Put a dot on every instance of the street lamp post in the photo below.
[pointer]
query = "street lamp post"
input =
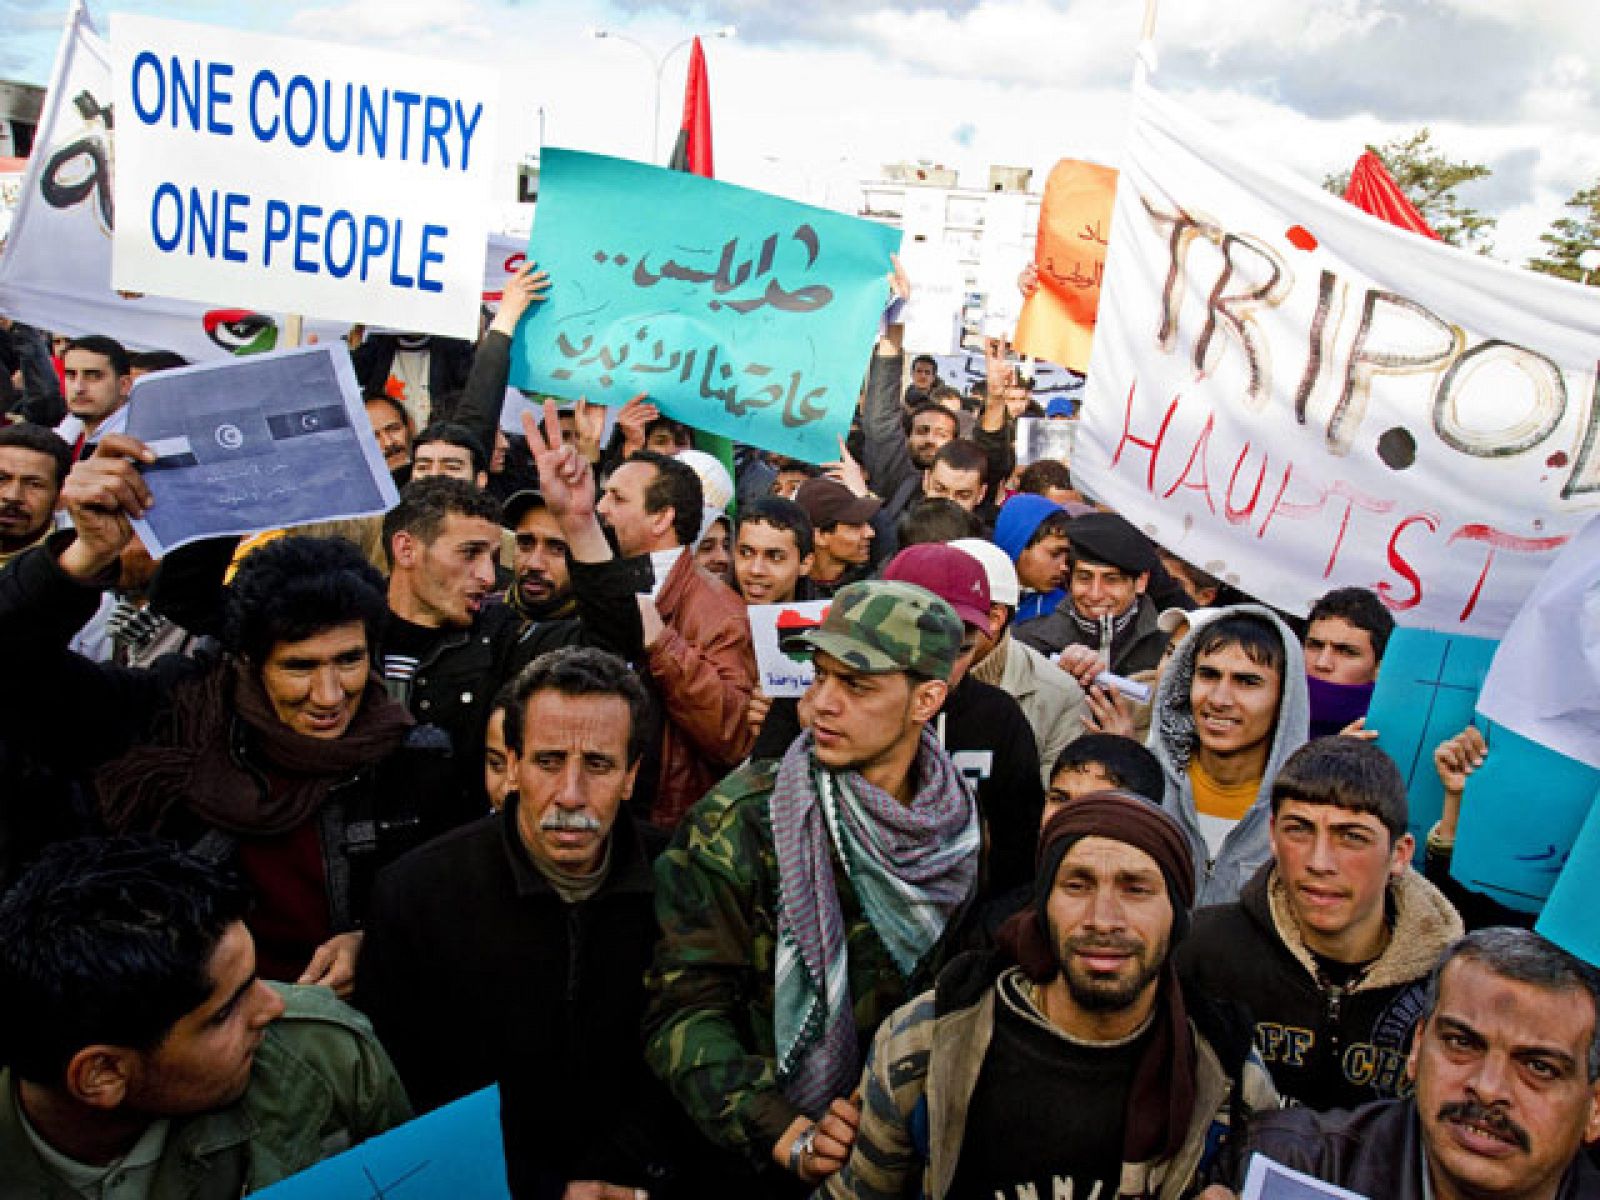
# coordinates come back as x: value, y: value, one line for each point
x: 659, y: 63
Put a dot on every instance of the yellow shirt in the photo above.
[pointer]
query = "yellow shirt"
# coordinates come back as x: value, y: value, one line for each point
x: 1219, y: 806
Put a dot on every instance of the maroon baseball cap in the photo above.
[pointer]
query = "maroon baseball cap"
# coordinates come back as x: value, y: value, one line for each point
x: 828, y: 502
x: 950, y: 574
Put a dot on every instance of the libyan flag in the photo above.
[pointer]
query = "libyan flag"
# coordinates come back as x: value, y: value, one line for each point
x: 692, y: 154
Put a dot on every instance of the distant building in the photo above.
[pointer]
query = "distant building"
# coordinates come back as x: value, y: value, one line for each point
x: 20, y: 106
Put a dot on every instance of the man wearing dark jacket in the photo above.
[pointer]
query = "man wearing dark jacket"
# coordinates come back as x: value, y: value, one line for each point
x: 1106, y: 622
x: 445, y: 651
x: 514, y: 949
x: 1507, y: 1078
x: 1073, y: 1063
x: 285, y: 754
x: 1331, y: 942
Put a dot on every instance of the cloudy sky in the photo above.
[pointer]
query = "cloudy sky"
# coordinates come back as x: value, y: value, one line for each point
x: 812, y: 96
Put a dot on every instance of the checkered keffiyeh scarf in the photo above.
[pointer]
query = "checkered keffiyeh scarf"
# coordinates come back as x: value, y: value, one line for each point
x: 911, y: 867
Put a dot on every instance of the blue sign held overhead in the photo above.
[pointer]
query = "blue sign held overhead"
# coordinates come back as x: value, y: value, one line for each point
x: 735, y: 312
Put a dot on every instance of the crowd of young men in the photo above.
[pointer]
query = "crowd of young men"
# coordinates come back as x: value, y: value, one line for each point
x: 487, y: 792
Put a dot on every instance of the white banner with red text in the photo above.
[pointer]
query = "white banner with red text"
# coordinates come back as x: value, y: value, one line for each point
x: 1294, y: 395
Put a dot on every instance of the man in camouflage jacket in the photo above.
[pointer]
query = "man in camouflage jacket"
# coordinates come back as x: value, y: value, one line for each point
x: 732, y: 914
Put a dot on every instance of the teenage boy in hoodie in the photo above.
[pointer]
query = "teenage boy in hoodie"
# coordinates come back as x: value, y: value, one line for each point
x: 1331, y: 942
x: 1033, y: 532
x: 1229, y: 710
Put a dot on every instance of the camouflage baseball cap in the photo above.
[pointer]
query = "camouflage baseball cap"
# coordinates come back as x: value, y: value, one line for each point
x: 880, y: 626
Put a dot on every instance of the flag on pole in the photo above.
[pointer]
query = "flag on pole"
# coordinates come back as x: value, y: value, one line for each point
x: 1372, y: 189
x: 692, y: 153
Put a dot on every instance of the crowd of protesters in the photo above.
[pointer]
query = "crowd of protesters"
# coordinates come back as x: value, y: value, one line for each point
x: 1075, y: 872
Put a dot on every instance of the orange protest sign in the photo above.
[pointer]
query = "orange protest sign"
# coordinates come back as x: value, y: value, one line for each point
x: 1057, y: 322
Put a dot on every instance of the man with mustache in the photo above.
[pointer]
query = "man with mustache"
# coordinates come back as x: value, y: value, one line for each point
x: 33, y: 466
x: 514, y: 949
x: 1071, y: 1063
x: 686, y: 631
x: 1507, y: 1076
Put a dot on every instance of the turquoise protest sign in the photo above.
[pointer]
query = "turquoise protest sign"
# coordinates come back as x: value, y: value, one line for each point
x: 454, y: 1151
x: 1427, y: 689
x: 1568, y: 916
x: 1520, y: 815
x: 736, y: 312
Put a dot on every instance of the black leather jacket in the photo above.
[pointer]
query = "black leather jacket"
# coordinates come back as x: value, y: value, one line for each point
x: 1375, y: 1150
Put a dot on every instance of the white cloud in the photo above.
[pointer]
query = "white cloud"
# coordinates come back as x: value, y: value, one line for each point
x: 811, y: 98
x: 395, y: 22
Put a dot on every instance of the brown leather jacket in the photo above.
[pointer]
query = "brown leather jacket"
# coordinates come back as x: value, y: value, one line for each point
x: 704, y: 668
x: 1375, y: 1150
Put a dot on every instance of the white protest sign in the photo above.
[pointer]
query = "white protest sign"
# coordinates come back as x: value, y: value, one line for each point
x: 265, y: 442
x: 11, y: 176
x: 1005, y: 253
x: 1295, y: 396
x: 55, y: 272
x: 1544, y: 682
x: 938, y: 297
x: 779, y: 674
x: 1269, y: 1180
x: 322, y: 179
x: 1044, y: 437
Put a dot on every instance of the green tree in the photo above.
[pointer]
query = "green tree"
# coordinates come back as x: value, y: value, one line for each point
x: 1568, y: 237
x: 1430, y: 179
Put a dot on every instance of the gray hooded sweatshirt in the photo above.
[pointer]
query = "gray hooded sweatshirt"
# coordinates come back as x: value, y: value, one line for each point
x: 1173, y: 740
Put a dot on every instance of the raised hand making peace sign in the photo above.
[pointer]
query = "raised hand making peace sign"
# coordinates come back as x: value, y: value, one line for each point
x: 567, y: 483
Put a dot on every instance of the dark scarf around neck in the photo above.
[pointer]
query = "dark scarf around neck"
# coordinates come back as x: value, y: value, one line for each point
x: 192, y: 765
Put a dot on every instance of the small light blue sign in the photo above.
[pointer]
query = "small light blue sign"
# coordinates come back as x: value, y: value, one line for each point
x: 1568, y: 916
x: 1520, y: 816
x: 1427, y: 689
x: 454, y: 1151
